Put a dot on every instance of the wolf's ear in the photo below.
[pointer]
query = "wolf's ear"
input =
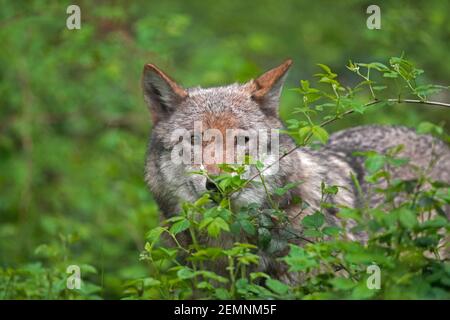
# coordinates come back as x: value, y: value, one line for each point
x: 161, y: 93
x: 266, y: 89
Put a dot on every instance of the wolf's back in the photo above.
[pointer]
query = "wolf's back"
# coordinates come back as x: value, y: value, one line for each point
x: 423, y: 151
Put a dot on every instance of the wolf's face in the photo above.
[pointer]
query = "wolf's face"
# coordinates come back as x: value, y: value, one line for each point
x: 200, y: 128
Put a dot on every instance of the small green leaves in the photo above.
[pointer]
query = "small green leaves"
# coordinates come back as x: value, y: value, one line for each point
x: 428, y: 127
x: 299, y: 260
x: 405, y: 68
x: 328, y: 73
x: 214, y: 226
x: 282, y: 190
x: 316, y: 131
x: 427, y: 90
x: 243, y: 223
x: 376, y: 163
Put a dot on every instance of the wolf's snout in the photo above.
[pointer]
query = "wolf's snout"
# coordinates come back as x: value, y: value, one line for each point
x: 211, y: 186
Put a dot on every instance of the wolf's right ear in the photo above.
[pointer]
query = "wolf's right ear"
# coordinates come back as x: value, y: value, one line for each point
x: 161, y: 93
x: 266, y: 89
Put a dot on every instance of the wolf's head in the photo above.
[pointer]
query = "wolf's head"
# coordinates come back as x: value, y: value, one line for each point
x: 212, y: 123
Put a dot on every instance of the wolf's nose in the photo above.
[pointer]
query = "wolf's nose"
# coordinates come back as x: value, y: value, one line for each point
x: 211, y: 186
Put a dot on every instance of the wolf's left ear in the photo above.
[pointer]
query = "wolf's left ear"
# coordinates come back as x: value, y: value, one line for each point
x: 266, y: 89
x: 161, y: 93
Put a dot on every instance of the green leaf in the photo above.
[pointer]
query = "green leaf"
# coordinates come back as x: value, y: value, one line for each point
x: 299, y: 260
x: 248, y: 227
x: 259, y: 165
x: 320, y: 133
x: 331, y: 231
x: 407, y: 218
x: 185, y: 273
x: 205, y: 222
x: 397, y: 162
x: 281, y: 191
x: 328, y: 71
x: 215, y: 227
x: 304, y: 132
x: 212, y: 276
x: 342, y: 283
x: 235, y: 228
x: 378, y: 66
x: 349, y: 213
x: 154, y: 234
x: 428, y: 127
x: 374, y: 163
x: 315, y: 220
x: 277, y: 286
x: 390, y: 74
x: 256, y: 275
x: 180, y: 226
x: 305, y: 85
x: 222, y: 294
x: 437, y: 222
x: 202, y: 201
x: 87, y: 268
x: 150, y: 282
x: 363, y: 292
x: 429, y: 89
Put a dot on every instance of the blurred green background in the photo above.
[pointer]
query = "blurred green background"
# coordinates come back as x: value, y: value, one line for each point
x: 74, y: 126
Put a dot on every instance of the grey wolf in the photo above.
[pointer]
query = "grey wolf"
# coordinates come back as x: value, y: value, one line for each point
x: 254, y: 105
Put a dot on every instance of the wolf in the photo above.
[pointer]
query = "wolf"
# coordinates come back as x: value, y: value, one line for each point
x: 254, y: 105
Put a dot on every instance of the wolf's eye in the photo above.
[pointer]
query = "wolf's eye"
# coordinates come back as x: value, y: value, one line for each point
x: 196, y: 139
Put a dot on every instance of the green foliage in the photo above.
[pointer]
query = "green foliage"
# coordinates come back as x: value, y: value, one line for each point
x: 404, y: 240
